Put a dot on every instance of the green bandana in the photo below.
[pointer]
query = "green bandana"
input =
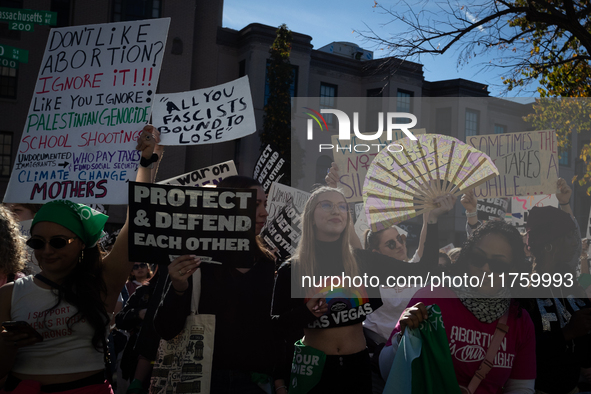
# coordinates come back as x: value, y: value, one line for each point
x: 80, y: 219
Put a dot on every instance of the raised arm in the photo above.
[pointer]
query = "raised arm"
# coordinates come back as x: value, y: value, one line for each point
x: 117, y: 265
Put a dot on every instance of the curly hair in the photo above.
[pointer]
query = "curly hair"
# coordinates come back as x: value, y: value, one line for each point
x: 502, y: 228
x: 13, y: 254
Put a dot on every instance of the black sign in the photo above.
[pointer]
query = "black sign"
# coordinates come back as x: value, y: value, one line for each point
x: 282, y: 234
x: 212, y: 223
x: 269, y: 167
x: 492, y: 208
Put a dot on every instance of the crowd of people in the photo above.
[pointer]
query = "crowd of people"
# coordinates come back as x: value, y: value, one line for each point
x: 92, y: 321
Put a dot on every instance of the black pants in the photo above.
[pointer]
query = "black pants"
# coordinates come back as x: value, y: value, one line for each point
x: 345, y: 374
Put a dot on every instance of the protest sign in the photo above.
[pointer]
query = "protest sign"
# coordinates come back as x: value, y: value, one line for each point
x: 492, y: 208
x: 353, y: 160
x: 283, y: 233
x: 527, y: 163
x: 214, y: 224
x: 520, y: 206
x: 205, y: 116
x: 211, y: 175
x: 269, y: 167
x: 282, y: 195
x: 92, y: 98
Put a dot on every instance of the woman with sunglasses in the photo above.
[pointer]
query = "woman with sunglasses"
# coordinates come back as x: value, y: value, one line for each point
x: 140, y: 273
x: 331, y: 323
x: 69, y: 303
x: 561, y: 312
x: 471, y: 313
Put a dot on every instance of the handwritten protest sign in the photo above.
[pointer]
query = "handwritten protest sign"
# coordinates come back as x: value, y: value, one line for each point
x: 205, y: 116
x: 353, y: 160
x: 492, y: 208
x: 269, y: 167
x: 211, y: 175
x: 92, y: 98
x: 282, y: 195
x: 527, y: 163
x: 215, y: 224
x: 520, y: 206
x: 283, y: 233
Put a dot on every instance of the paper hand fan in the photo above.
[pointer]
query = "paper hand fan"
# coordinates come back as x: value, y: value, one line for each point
x: 401, y: 185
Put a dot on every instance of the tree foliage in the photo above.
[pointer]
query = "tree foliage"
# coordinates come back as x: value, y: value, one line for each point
x: 277, y: 117
x: 548, y: 41
x: 567, y: 116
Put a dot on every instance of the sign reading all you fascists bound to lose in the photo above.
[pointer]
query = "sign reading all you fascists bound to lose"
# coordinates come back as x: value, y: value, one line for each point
x: 91, y: 100
x: 527, y: 163
x: 205, y: 116
x: 212, y: 223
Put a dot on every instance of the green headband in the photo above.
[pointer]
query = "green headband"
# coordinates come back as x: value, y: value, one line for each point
x: 80, y: 219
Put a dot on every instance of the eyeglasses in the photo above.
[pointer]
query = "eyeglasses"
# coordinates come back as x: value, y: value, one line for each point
x: 392, y: 243
x: 495, y: 265
x: 328, y: 206
x: 54, y: 242
x: 137, y: 266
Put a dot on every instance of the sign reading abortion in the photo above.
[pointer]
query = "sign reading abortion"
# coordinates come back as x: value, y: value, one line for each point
x: 91, y: 100
x: 353, y: 156
x: 212, y: 223
x: 205, y: 116
x: 211, y: 175
x: 269, y: 168
x: 527, y: 163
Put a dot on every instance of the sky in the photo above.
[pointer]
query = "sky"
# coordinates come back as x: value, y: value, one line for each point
x: 336, y: 20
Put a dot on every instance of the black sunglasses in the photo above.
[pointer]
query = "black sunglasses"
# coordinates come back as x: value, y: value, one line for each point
x: 137, y: 266
x: 54, y: 242
x: 495, y: 265
x: 392, y: 243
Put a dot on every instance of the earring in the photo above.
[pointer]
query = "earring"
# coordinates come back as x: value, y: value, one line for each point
x: 546, y: 248
x: 81, y: 257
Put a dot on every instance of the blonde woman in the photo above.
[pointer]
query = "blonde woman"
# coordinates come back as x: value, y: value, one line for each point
x: 332, y: 321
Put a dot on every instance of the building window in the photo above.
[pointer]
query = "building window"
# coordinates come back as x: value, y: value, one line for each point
x: 500, y: 129
x: 472, y: 122
x: 241, y: 68
x: 293, y: 91
x: 135, y: 10
x: 5, y: 153
x: 564, y: 153
x: 403, y: 104
x: 62, y: 7
x: 328, y: 92
x: 8, y: 78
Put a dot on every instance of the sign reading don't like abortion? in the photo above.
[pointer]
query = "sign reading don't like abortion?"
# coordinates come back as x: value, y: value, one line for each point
x: 92, y: 97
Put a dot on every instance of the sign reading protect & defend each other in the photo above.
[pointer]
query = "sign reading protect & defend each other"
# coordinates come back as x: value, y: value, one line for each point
x: 214, y: 224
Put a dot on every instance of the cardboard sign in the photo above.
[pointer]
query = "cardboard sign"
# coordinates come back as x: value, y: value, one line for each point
x: 211, y: 175
x: 282, y: 195
x: 91, y: 100
x: 269, y: 168
x: 527, y: 163
x: 214, y: 224
x: 520, y: 206
x: 492, y: 208
x: 353, y: 160
x: 283, y: 233
x: 205, y: 116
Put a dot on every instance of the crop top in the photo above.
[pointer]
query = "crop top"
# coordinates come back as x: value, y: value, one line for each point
x: 345, y: 306
x: 62, y: 349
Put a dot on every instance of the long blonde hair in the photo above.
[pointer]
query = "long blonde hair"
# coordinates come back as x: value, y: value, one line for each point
x: 305, y: 255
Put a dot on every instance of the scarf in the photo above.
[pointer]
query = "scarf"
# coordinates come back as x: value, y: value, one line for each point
x: 486, y: 310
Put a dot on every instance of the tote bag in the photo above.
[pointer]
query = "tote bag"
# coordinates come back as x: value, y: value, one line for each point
x: 183, y: 364
x: 423, y: 363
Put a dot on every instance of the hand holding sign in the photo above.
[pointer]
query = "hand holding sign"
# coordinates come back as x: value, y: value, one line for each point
x: 181, y: 269
x: 333, y: 175
x: 563, y: 191
x: 148, y: 140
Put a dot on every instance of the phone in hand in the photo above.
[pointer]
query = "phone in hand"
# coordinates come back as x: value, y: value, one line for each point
x: 22, y: 327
